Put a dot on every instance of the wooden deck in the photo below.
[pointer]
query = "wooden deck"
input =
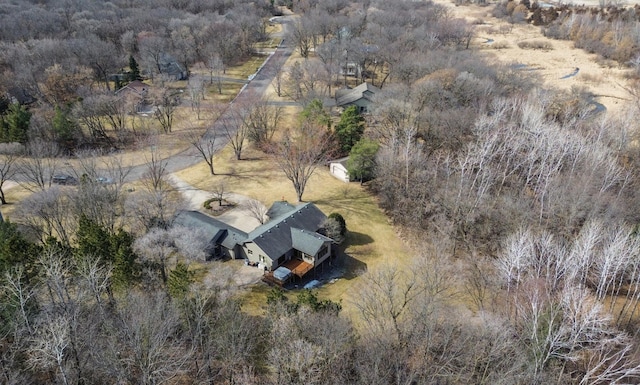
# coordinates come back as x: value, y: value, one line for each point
x: 298, y: 267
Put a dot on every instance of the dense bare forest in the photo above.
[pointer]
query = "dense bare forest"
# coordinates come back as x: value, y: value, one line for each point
x: 519, y: 202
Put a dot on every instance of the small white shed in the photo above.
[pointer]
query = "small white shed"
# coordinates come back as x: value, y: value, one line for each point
x: 338, y: 168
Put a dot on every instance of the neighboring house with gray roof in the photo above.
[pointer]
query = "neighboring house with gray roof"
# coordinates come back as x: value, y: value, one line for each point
x: 290, y: 238
x: 137, y: 93
x: 170, y: 67
x: 361, y: 97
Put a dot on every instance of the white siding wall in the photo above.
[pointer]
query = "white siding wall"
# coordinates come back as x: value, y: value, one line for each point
x: 339, y: 171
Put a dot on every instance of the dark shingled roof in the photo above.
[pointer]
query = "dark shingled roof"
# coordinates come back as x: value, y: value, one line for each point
x: 347, y: 96
x: 274, y: 237
x: 309, y: 242
x: 279, y: 208
x: 222, y: 233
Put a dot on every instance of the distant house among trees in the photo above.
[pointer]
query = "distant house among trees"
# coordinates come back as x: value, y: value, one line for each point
x: 138, y: 93
x: 291, y: 238
x: 170, y: 67
x: 352, y: 69
x: 360, y: 96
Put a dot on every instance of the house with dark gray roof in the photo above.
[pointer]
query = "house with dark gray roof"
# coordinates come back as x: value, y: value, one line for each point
x: 290, y: 239
x: 170, y: 67
x: 226, y: 241
x: 361, y: 97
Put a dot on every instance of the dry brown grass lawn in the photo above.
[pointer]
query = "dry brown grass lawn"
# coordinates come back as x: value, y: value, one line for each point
x: 229, y: 92
x: 247, y: 68
x: 14, y: 195
x: 606, y: 82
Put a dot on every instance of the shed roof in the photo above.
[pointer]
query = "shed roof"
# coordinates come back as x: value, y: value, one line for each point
x: 342, y: 161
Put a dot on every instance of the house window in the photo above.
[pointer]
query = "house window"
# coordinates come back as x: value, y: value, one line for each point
x: 250, y: 251
x: 323, y: 251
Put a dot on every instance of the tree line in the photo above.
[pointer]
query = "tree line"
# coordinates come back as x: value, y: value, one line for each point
x: 63, y: 61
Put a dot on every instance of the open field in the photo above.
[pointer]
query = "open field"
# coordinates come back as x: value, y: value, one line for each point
x: 500, y: 41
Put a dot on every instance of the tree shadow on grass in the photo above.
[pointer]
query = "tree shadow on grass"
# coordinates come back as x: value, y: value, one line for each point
x: 350, y: 266
x: 357, y: 239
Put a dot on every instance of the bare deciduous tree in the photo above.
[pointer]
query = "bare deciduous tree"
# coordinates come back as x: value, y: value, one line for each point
x: 262, y: 120
x: 156, y: 173
x: 216, y: 66
x: 234, y: 128
x: 147, y: 349
x: 39, y: 166
x: 49, y: 348
x: 190, y: 243
x: 256, y: 209
x: 206, y: 146
x: 156, y: 246
x: 9, y: 154
x: 299, y: 156
x: 49, y: 214
x: 166, y: 103
x: 148, y: 209
x: 20, y: 294
x: 196, y: 94
x: 219, y: 189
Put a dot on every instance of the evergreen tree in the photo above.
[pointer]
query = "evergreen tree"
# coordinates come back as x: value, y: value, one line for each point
x: 316, y: 113
x: 340, y: 219
x: 350, y: 128
x: 15, y: 249
x: 114, y: 248
x: 65, y: 129
x: 310, y: 299
x: 4, y: 104
x: 14, y: 125
x: 134, y: 70
x: 362, y: 160
x: 93, y: 239
x: 179, y: 281
x: 126, y: 268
